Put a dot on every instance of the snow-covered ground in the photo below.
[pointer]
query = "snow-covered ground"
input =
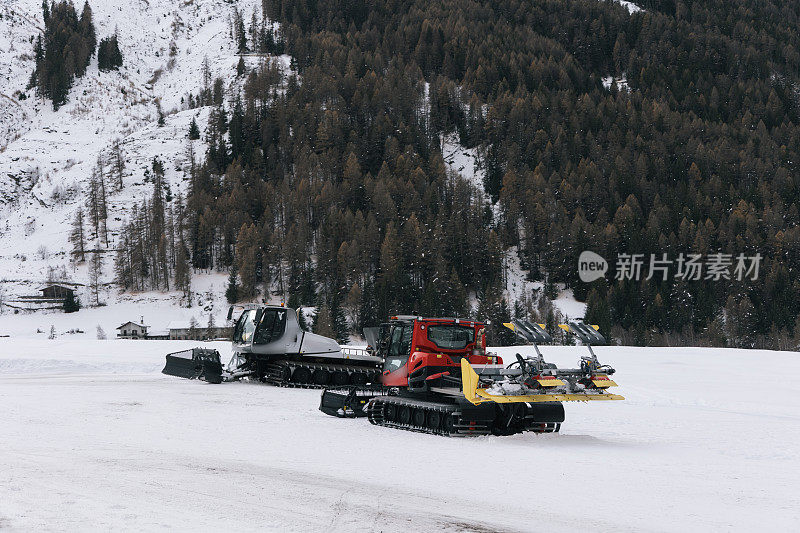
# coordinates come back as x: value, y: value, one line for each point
x: 94, y: 437
x: 464, y: 161
x: 630, y: 6
x: 621, y: 82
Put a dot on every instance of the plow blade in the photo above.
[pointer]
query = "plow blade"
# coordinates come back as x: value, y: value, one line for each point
x: 197, y: 363
x: 346, y: 402
x: 535, y: 398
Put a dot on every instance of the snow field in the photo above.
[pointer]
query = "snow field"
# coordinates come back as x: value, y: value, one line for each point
x: 94, y: 437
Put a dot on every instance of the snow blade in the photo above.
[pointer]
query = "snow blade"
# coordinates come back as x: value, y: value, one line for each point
x: 346, y: 402
x: 197, y: 363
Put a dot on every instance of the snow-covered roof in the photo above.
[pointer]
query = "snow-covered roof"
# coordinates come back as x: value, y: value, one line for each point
x: 134, y: 323
x: 56, y: 285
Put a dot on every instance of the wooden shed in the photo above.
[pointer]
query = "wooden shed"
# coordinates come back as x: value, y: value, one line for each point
x: 56, y: 292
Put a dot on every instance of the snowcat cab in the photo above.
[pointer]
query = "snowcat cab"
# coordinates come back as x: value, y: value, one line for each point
x: 419, y: 353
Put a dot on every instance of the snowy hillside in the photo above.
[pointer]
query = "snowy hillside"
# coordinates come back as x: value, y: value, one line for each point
x: 47, y: 157
x: 94, y: 436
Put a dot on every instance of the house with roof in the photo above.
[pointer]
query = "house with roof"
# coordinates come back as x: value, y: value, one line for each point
x: 132, y: 330
x: 56, y: 292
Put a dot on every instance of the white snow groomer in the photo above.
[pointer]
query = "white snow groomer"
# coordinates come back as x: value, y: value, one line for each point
x: 269, y: 345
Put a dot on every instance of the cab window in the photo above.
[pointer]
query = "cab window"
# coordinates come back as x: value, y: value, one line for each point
x: 271, y: 327
x: 399, y: 347
x: 245, y: 327
x: 451, y: 336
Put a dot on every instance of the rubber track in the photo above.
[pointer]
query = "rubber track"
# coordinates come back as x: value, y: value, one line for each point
x: 276, y: 373
x: 461, y: 428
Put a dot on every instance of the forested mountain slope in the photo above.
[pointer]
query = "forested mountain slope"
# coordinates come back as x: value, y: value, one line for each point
x: 696, y: 153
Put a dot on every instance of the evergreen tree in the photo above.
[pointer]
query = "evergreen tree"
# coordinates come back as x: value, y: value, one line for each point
x: 64, y: 52
x: 352, y: 305
x: 598, y: 312
x: 88, y: 32
x: 71, y: 303
x: 109, y: 56
x: 117, y: 163
x: 739, y: 322
x: 493, y: 309
x: 78, y: 237
x: 323, y: 322
x: 232, y: 292
x: 339, y: 322
x: 102, y: 201
x: 95, y: 275
x: 194, y: 130
x: 240, y: 36
x: 183, y: 273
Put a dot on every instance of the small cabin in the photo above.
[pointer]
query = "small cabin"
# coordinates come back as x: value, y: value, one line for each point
x: 56, y: 292
x: 132, y: 330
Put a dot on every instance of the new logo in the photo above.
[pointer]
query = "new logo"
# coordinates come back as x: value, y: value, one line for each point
x: 591, y: 266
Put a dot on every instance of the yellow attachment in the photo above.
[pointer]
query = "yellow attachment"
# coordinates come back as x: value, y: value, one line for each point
x: 534, y: 398
x: 604, y: 383
x: 469, y: 382
x: 596, y: 328
x: 543, y: 326
x: 550, y: 382
x: 510, y: 326
x: 564, y: 327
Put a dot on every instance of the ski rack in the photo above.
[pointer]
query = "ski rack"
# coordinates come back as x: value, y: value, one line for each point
x: 588, y: 335
x: 534, y: 334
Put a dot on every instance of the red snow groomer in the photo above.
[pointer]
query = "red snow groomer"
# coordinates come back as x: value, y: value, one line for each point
x: 438, y: 378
